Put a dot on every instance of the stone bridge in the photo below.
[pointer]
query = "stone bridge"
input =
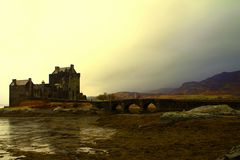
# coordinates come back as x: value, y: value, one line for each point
x: 162, y: 105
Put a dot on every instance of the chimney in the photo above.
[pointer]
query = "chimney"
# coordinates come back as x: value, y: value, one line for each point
x: 14, y: 81
x: 57, y: 68
x: 72, y: 66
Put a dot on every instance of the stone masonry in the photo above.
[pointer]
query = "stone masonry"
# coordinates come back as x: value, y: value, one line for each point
x: 64, y: 84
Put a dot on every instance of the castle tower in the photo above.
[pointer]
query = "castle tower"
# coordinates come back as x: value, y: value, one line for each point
x: 65, y: 82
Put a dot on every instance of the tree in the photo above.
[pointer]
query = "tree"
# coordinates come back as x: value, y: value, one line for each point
x: 103, y: 96
x: 106, y: 96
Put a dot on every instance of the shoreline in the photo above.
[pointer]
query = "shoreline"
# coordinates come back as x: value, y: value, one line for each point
x: 149, y: 135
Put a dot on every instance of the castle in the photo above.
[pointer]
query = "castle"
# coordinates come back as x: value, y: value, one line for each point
x: 64, y: 84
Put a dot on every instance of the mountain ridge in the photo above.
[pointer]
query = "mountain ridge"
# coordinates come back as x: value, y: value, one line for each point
x: 225, y: 83
x: 222, y: 83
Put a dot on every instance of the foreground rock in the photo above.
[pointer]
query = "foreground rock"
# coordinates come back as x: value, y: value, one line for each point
x: 203, y: 112
x: 234, y: 154
x: 215, y: 110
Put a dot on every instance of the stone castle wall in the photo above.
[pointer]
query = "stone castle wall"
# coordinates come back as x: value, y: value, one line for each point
x: 63, y: 84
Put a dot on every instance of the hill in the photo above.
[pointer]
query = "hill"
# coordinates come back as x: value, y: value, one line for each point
x: 162, y: 91
x: 133, y: 95
x: 223, y: 83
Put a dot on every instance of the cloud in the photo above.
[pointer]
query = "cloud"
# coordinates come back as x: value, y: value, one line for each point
x: 119, y: 45
x: 201, y: 43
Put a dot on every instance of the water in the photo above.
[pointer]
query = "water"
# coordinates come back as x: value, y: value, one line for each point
x: 55, y: 135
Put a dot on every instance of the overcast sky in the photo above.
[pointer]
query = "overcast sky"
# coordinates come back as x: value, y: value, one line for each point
x: 118, y: 45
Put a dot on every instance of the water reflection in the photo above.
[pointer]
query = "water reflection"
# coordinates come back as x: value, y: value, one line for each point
x: 51, y: 135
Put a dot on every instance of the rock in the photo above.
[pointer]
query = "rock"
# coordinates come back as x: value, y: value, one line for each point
x: 29, y: 110
x: 6, y: 111
x: 57, y: 109
x: 202, y: 112
x: 234, y: 154
x: 184, y: 115
x: 214, y: 109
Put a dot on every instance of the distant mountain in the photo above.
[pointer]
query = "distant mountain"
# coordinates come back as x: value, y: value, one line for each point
x: 226, y: 83
x: 133, y: 95
x: 223, y: 83
x: 147, y: 94
x: 162, y: 91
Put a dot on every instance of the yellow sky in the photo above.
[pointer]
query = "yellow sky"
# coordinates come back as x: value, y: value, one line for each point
x: 99, y: 37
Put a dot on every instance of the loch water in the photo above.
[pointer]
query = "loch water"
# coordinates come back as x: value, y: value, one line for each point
x: 51, y: 135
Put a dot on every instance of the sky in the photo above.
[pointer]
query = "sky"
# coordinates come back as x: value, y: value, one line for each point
x: 120, y: 45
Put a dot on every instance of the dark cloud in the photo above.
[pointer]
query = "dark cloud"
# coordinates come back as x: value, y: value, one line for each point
x: 199, y: 47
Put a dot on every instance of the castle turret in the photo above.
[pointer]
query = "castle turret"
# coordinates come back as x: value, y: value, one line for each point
x: 57, y: 68
x: 14, y: 82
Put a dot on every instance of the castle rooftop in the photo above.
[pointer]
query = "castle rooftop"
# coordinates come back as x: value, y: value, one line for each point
x: 20, y: 82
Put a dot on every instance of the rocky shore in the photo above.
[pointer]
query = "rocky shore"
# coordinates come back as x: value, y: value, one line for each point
x: 207, y: 133
x: 156, y: 137
x: 50, y: 109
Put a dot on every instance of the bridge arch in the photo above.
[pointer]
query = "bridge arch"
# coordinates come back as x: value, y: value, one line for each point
x: 120, y: 108
x: 152, y: 108
x: 134, y: 108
